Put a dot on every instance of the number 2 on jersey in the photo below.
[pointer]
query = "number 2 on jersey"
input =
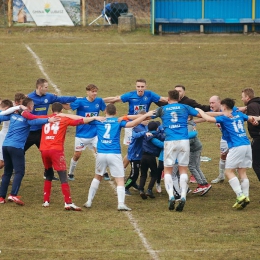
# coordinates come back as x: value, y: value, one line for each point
x: 107, y: 133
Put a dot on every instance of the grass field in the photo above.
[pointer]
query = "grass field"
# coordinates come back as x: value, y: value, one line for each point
x: 207, y: 65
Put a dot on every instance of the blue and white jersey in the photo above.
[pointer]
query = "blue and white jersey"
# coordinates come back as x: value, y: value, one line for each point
x: 42, y: 103
x: 175, y: 120
x: 19, y: 130
x: 87, y: 108
x: 233, y: 130
x: 137, y: 103
x: 108, y: 133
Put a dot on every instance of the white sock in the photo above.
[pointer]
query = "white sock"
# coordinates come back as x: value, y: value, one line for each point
x: 168, y: 184
x: 235, y: 185
x: 93, y: 189
x: 222, y: 164
x: 72, y: 166
x: 120, y: 194
x: 245, y: 186
x: 184, y: 184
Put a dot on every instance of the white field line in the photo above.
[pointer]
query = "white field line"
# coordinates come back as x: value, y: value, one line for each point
x: 38, y: 62
x: 153, y: 254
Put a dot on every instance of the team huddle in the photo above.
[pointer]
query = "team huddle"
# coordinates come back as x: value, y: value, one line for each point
x: 173, y: 140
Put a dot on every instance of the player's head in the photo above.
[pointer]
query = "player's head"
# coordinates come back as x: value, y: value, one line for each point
x: 56, y: 107
x: 153, y: 126
x: 214, y: 103
x: 110, y: 110
x: 227, y: 104
x: 28, y: 102
x: 6, y: 103
x: 181, y: 90
x: 247, y: 94
x: 91, y: 91
x: 140, y: 86
x: 41, y: 86
x: 173, y: 95
x: 18, y: 98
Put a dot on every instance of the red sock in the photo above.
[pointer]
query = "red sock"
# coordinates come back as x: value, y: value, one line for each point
x: 46, y: 191
x: 65, y: 188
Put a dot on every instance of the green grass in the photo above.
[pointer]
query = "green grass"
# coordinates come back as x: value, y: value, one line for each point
x: 74, y: 57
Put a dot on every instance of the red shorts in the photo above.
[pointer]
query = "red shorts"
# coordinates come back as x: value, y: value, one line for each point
x: 55, y: 159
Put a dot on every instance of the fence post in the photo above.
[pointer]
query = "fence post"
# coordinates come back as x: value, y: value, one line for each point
x: 10, y: 13
x: 83, y: 12
x: 152, y: 16
x: 253, y: 14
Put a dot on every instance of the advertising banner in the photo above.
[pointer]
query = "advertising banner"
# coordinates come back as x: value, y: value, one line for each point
x: 46, y: 13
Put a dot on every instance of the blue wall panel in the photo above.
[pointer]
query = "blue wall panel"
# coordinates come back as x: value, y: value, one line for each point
x: 178, y: 9
x: 257, y: 8
x: 224, y: 9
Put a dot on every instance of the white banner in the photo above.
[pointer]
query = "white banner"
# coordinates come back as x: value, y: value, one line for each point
x: 48, y: 13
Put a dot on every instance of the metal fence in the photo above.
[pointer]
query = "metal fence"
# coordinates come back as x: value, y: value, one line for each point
x: 140, y: 9
x: 3, y: 13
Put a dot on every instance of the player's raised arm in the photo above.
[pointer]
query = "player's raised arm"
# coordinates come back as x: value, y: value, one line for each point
x: 112, y: 99
x: 140, y: 119
x: 205, y: 116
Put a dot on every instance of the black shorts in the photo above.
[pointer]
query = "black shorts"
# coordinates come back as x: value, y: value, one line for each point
x: 34, y: 137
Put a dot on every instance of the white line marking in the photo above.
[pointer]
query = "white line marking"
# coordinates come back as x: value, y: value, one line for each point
x: 145, y: 243
x: 38, y: 61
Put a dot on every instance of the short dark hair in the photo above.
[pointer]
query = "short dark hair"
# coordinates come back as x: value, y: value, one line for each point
x: 18, y: 97
x: 90, y: 87
x: 173, y: 95
x: 111, y: 109
x: 141, y: 80
x: 26, y: 101
x: 40, y: 82
x: 56, y: 107
x: 6, y: 103
x: 249, y: 92
x: 180, y: 86
x: 228, y: 102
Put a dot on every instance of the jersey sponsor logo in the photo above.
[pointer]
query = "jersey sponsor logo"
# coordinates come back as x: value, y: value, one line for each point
x: 40, y: 109
x: 139, y: 108
x: 45, y: 100
x: 90, y: 114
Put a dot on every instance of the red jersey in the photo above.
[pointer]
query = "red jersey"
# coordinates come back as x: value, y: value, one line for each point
x: 53, y: 134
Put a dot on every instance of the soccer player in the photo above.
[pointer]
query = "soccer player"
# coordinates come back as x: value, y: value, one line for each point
x: 86, y: 135
x: 176, y: 145
x: 109, y: 153
x: 138, y: 100
x: 13, y: 151
x: 240, y: 155
x: 42, y: 100
x: 52, y: 150
x: 253, y: 108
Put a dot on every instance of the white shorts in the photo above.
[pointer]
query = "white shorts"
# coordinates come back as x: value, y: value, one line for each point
x: 239, y: 157
x: 113, y: 161
x: 223, y: 147
x: 82, y: 143
x: 179, y: 149
x: 128, y: 136
x: 2, y: 138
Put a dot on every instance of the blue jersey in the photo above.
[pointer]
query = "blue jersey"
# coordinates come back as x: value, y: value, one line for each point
x: 108, y: 133
x: 19, y: 130
x: 137, y: 103
x: 233, y: 130
x: 175, y: 120
x: 87, y: 108
x: 42, y: 103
